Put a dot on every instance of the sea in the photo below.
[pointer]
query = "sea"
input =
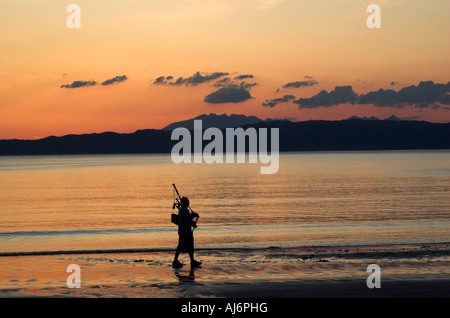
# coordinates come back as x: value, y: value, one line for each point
x: 68, y: 203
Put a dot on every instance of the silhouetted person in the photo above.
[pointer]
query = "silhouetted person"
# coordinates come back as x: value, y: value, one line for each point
x: 185, y: 234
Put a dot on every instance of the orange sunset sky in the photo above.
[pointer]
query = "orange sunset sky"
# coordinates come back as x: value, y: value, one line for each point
x: 322, y: 43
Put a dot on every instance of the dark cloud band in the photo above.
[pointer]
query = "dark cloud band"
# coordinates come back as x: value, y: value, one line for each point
x: 423, y: 95
x: 78, y: 84
x: 196, y: 79
x: 300, y: 84
x: 115, y: 80
x: 426, y: 94
x: 340, y: 95
x: 229, y: 94
x: 244, y: 76
x: 274, y: 102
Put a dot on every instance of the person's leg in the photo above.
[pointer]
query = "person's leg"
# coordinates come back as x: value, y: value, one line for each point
x: 177, y: 253
x: 194, y: 263
x: 191, y: 253
x: 176, y: 263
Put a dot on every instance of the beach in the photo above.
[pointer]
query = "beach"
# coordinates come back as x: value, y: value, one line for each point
x: 311, y: 230
x: 411, y: 271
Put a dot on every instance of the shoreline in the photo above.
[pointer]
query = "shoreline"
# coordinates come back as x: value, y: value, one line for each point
x: 389, y: 248
x: 413, y: 270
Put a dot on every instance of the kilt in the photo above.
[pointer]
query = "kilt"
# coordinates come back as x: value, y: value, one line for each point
x: 186, y: 243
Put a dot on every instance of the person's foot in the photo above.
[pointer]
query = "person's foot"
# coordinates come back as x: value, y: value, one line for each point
x: 177, y: 264
x: 195, y: 263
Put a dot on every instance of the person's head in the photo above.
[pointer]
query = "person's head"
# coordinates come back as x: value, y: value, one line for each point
x: 184, y: 202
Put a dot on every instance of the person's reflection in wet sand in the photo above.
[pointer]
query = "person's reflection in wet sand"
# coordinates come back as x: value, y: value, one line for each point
x: 184, y: 276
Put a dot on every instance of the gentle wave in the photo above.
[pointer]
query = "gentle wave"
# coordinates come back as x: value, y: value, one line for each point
x: 82, y: 232
x: 213, y: 229
x: 241, y: 249
x: 103, y: 251
x: 238, y: 228
x: 55, y: 162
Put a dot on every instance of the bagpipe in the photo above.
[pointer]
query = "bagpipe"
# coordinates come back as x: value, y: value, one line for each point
x: 177, y: 204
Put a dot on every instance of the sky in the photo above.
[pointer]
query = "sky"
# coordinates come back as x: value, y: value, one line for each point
x: 139, y: 64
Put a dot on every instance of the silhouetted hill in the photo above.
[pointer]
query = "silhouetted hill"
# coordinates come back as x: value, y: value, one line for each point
x: 392, y: 117
x: 141, y: 141
x: 351, y: 134
x: 359, y: 134
x: 219, y: 121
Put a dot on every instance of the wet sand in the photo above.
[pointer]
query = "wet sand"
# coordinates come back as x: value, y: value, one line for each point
x: 319, y: 272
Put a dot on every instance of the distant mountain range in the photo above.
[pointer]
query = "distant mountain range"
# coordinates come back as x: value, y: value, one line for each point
x: 350, y: 134
x: 231, y: 121
x: 393, y: 117
x: 219, y: 121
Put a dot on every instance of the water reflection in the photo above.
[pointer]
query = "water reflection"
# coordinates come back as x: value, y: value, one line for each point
x: 120, y: 201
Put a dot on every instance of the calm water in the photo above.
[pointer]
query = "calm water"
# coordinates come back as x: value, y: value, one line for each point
x: 53, y: 203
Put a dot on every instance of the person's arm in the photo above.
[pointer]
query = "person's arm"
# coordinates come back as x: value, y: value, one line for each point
x: 193, y: 222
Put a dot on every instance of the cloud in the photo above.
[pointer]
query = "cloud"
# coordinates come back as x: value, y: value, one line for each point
x: 229, y: 94
x: 195, y: 79
x: 77, y: 84
x: 247, y: 86
x: 115, y: 80
x: 161, y: 80
x: 244, y: 76
x: 199, y: 78
x: 228, y: 82
x: 298, y: 84
x: 308, y: 81
x: 381, y: 98
x: 224, y: 82
x: 231, y: 89
x: 340, y: 95
x: 274, y: 102
x: 424, y: 95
